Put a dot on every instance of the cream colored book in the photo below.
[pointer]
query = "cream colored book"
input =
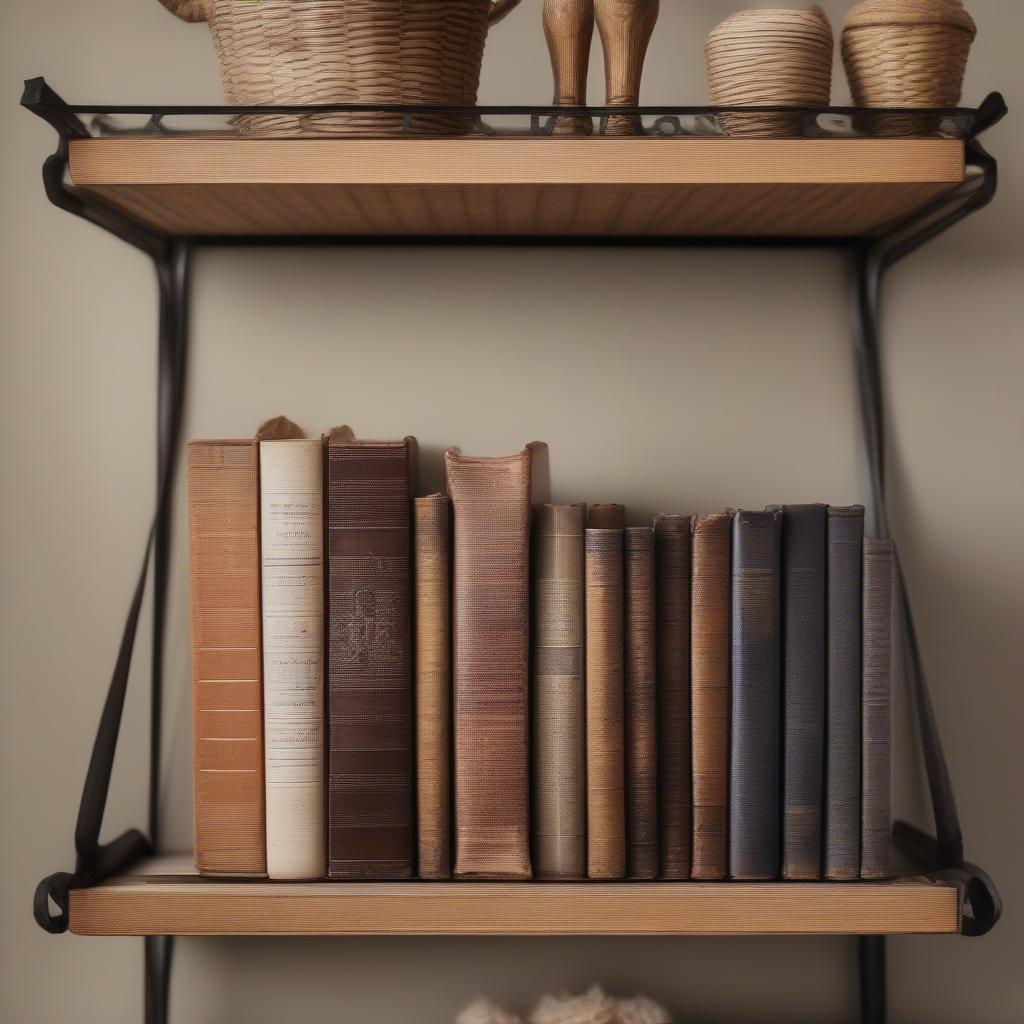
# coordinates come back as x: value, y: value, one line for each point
x: 291, y: 507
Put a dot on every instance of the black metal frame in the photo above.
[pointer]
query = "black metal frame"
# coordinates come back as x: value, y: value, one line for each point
x: 941, y: 856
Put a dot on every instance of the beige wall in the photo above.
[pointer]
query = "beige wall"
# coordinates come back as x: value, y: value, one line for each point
x: 670, y: 380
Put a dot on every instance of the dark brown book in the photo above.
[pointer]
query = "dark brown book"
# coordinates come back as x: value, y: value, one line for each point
x: 804, y: 652
x: 370, y: 788
x: 559, y: 712
x: 876, y: 792
x: 710, y: 642
x: 606, y: 807
x: 841, y: 838
x: 755, y: 748
x: 433, y: 689
x: 606, y: 517
x: 672, y: 573
x: 224, y: 578
x: 491, y: 513
x: 641, y: 709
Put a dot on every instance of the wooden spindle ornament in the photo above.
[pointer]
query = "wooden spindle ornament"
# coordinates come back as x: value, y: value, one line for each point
x: 569, y: 31
x: 625, y: 27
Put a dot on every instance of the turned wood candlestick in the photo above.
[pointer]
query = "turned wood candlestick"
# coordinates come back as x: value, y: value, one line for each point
x: 569, y: 30
x: 625, y: 27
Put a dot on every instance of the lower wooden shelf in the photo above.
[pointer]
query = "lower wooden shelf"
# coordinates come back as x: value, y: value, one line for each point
x: 166, y: 897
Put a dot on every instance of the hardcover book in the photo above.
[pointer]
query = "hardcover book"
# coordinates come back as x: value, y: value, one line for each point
x: 606, y: 517
x: 672, y: 572
x: 755, y: 750
x: 804, y: 530
x: 710, y: 638
x: 606, y: 809
x: 433, y: 684
x: 291, y: 523
x: 227, y: 687
x: 559, y: 760
x: 876, y: 792
x: 843, y: 694
x: 370, y: 792
x: 641, y: 711
x: 491, y: 512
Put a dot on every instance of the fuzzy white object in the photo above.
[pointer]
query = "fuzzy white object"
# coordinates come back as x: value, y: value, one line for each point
x: 483, y: 1011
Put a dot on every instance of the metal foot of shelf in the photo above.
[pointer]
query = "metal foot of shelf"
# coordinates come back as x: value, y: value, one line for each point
x: 871, y: 967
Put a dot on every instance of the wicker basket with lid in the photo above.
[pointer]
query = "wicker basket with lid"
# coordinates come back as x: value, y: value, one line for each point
x: 309, y: 52
x: 907, y: 53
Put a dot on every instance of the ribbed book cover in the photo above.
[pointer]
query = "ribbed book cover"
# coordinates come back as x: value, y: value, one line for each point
x: 879, y: 605
x: 491, y: 509
x: 291, y: 523
x: 369, y: 538
x: 710, y: 646
x: 804, y: 530
x: 841, y: 829
x: 641, y: 709
x: 559, y: 757
x: 672, y: 574
x: 227, y: 673
x: 754, y: 789
x: 606, y: 807
x: 433, y: 689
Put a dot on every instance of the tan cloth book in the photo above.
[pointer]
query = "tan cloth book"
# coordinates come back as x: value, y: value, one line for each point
x: 224, y: 580
x: 432, y: 547
x: 559, y: 757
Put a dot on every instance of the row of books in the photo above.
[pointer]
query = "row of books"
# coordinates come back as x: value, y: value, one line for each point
x: 464, y: 685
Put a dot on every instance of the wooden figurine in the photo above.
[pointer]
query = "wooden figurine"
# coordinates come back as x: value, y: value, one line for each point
x: 625, y: 27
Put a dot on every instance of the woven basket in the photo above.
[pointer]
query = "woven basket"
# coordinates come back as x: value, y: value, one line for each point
x: 310, y: 52
x: 907, y: 53
x: 769, y: 58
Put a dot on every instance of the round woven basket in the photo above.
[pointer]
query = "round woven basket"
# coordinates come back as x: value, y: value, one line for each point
x: 907, y: 53
x: 370, y: 52
x: 769, y: 58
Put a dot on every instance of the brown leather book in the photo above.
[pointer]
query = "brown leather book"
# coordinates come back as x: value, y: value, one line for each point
x: 370, y: 791
x: 606, y: 809
x: 672, y: 571
x: 710, y: 684
x: 641, y: 709
x: 606, y: 517
x: 559, y: 758
x: 491, y: 514
x: 433, y: 684
x: 876, y: 793
x: 227, y: 688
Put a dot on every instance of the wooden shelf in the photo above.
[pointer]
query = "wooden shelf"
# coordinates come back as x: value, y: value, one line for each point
x: 517, y: 186
x: 167, y: 897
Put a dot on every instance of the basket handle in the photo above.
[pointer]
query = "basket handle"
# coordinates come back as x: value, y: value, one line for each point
x: 499, y: 8
x: 189, y: 10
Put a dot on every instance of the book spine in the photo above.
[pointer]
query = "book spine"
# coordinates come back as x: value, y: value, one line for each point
x: 754, y: 760
x: 710, y: 644
x: 433, y: 684
x: 606, y: 517
x: 641, y: 710
x: 559, y: 776
x: 370, y: 793
x: 224, y: 581
x: 803, y: 686
x: 491, y: 511
x: 841, y: 838
x: 672, y: 574
x: 606, y: 811
x: 291, y: 519
x: 876, y: 798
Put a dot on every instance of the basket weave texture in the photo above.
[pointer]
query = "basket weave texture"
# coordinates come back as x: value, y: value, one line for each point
x: 907, y: 53
x: 380, y: 52
x: 769, y: 58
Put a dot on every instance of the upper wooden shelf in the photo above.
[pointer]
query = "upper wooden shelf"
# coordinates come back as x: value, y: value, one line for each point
x: 524, y: 187
x: 166, y: 897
